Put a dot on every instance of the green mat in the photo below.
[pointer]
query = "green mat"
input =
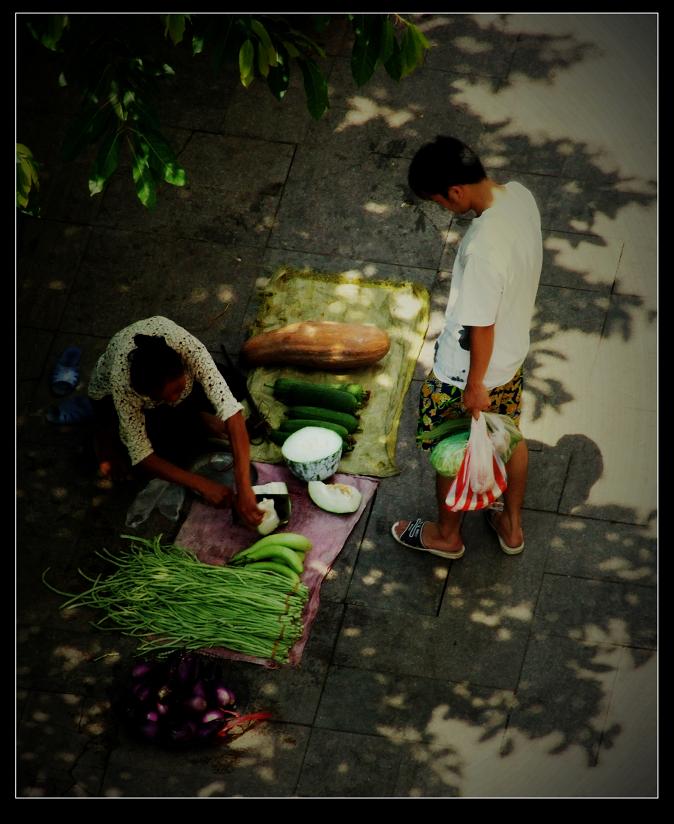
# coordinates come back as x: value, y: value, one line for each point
x: 400, y: 308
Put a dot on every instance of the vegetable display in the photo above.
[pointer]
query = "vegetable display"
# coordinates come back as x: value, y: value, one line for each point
x: 169, y: 599
x: 182, y: 699
x: 318, y: 345
x: 330, y: 406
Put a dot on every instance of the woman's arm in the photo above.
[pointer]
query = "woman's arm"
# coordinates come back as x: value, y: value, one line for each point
x: 245, y: 500
x: 213, y: 492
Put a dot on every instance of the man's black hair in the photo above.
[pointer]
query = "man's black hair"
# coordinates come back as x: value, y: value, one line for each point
x: 152, y: 364
x: 441, y: 164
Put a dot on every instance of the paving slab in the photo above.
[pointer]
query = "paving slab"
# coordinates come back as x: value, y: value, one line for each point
x: 246, y: 174
x: 488, y: 588
x: 597, y: 611
x: 51, y: 745
x: 265, y: 762
x: 578, y: 261
x: 601, y: 550
x: 348, y: 765
x: 365, y: 213
x: 51, y: 252
x: 407, y: 643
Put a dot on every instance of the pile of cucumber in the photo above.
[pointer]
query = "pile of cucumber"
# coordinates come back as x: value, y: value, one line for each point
x: 331, y: 406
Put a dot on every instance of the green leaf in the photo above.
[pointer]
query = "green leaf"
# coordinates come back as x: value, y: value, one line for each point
x: 387, y: 40
x: 366, y: 48
x: 412, y: 47
x: 105, y: 164
x: 175, y: 26
x: 146, y: 186
x: 290, y: 48
x: 316, y: 88
x: 278, y: 79
x: 49, y: 29
x: 160, y: 156
x: 197, y: 44
x: 265, y: 41
x: 246, y: 58
x: 394, y: 65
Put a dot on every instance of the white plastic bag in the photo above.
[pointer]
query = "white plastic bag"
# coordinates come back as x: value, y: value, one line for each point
x: 498, y: 433
x: 481, y: 471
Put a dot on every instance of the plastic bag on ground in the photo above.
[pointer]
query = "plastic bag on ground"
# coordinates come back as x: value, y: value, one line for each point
x: 145, y: 502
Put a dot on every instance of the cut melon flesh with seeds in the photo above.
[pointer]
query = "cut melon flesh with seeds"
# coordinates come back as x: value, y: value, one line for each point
x: 337, y: 498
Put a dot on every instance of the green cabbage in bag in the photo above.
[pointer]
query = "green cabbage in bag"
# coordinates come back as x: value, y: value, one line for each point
x: 447, y: 455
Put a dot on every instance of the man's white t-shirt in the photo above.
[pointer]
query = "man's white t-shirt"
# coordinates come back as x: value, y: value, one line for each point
x: 494, y: 281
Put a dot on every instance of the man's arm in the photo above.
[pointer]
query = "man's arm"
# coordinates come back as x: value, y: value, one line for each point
x: 476, y: 394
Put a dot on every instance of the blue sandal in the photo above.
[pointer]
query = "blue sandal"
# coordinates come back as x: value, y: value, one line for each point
x: 66, y: 374
x: 71, y: 411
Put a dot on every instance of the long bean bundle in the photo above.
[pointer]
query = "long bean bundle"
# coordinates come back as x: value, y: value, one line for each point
x: 166, y: 596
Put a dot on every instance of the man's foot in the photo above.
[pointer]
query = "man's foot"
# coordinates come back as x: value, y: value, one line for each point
x: 511, y: 539
x: 425, y: 536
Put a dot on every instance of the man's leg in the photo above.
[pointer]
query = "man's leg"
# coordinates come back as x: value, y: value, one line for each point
x: 443, y: 534
x: 509, y: 522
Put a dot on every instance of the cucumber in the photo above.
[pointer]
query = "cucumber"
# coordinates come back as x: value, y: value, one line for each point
x: 277, y: 437
x: 293, y: 392
x: 299, y: 423
x: 361, y: 394
x: 443, y: 430
x: 316, y: 413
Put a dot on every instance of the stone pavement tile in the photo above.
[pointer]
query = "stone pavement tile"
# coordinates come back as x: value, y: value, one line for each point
x: 611, y: 473
x: 489, y: 589
x: 387, y: 575
x: 264, y: 762
x: 588, y: 548
x: 505, y: 153
x: 246, y: 174
x: 548, y: 467
x: 449, y: 648
x: 597, y: 611
x: 68, y: 655
x: 338, y: 580
x: 389, y: 117
x: 628, y: 753
x: 627, y: 355
x: 468, y: 43
x: 347, y: 765
x: 564, y: 692
x: 580, y: 261
x: 555, y: 732
x: 47, y: 265
x: 405, y: 709
x: 32, y: 349
x: 53, y: 746
x: 277, y: 690
x: 255, y: 113
x: 364, y: 213
x: 637, y: 271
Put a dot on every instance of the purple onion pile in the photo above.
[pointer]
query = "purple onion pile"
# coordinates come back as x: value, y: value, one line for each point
x: 178, y: 700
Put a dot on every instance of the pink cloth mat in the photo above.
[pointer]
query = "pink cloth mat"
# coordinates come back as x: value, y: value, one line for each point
x: 211, y: 534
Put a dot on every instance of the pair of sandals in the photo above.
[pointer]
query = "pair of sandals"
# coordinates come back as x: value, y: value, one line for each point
x: 411, y: 537
x: 64, y: 379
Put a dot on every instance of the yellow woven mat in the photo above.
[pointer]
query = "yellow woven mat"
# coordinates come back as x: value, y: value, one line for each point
x: 400, y: 308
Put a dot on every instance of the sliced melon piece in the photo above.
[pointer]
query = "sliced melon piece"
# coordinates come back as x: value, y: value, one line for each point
x: 270, y: 519
x: 337, y: 498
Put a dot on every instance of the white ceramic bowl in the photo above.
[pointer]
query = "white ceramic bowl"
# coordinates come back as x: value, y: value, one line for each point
x: 312, y: 453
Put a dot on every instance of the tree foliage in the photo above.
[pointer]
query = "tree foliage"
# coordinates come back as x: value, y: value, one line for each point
x: 118, y: 77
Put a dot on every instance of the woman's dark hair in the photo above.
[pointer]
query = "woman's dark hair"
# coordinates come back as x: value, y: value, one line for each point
x: 152, y: 364
x: 441, y: 164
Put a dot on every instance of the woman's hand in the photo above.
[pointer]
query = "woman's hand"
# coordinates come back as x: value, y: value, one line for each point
x: 214, y: 493
x: 246, y: 505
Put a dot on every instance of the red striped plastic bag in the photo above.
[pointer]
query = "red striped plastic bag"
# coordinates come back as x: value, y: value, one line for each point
x: 482, y: 477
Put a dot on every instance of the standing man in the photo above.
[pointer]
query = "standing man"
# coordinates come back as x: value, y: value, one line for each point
x: 479, y: 355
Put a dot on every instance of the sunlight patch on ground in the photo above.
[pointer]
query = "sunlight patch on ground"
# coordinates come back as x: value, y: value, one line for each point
x: 364, y: 109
